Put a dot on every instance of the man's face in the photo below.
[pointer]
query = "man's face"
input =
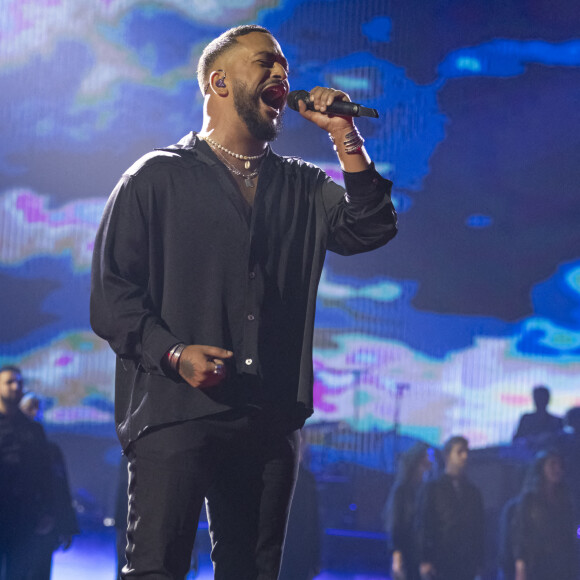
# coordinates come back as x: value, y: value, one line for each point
x: 11, y: 388
x: 258, y: 72
x: 457, y: 459
x: 247, y: 104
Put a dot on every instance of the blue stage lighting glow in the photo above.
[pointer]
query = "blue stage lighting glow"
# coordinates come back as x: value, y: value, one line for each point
x: 355, y: 534
x: 468, y: 63
x: 478, y: 221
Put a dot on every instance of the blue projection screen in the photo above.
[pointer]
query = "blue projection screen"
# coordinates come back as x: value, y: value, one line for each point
x: 476, y: 301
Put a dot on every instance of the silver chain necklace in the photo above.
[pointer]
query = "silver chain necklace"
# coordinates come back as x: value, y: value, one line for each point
x: 246, y: 158
x: 247, y: 177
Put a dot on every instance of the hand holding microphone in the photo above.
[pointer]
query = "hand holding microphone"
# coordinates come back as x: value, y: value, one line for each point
x: 336, y: 107
x: 332, y: 111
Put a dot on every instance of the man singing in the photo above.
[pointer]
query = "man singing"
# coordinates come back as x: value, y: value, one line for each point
x: 205, y: 274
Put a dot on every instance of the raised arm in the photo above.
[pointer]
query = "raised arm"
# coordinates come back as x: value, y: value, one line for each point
x: 365, y: 218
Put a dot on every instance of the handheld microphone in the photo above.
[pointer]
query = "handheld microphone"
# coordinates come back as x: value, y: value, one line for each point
x: 344, y: 108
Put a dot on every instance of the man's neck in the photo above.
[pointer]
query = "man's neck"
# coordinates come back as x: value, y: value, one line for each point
x: 455, y: 474
x: 234, y: 137
x: 8, y: 410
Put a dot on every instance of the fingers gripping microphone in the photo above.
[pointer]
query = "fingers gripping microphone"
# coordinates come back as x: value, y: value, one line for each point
x: 344, y: 108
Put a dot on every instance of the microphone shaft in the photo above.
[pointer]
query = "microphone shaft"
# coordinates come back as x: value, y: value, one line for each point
x: 344, y: 108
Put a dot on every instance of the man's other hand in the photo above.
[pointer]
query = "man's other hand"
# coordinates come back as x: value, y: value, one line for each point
x: 202, y: 365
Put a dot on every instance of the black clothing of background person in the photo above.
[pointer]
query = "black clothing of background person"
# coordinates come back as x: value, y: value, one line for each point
x: 26, y: 492
x: 148, y: 294
x: 506, y: 556
x: 65, y: 520
x: 533, y: 424
x: 568, y: 444
x: 402, y: 512
x: 540, y: 423
x: 64, y: 523
x: 450, y: 528
x: 544, y: 536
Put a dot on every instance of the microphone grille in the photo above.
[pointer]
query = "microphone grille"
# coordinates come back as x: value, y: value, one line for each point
x: 295, y: 96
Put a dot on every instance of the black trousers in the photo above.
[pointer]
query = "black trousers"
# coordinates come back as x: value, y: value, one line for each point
x: 243, y: 464
x: 16, y: 537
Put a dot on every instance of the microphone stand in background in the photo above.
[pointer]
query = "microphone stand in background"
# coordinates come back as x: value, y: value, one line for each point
x: 400, y: 389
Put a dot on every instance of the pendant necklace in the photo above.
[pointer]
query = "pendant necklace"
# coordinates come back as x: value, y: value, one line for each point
x: 246, y: 158
x: 247, y: 177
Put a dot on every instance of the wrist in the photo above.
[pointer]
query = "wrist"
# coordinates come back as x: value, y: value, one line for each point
x: 172, y: 356
x: 347, y: 140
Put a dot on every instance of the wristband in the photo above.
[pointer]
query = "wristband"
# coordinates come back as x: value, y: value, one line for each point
x: 172, y: 357
x: 352, y: 143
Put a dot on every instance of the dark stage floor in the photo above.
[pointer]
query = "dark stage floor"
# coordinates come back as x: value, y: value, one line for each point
x: 92, y: 557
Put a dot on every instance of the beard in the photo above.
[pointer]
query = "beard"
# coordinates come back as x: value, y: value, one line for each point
x: 11, y: 400
x: 248, y: 108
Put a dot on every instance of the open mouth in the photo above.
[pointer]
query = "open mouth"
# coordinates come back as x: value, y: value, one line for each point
x: 274, y: 96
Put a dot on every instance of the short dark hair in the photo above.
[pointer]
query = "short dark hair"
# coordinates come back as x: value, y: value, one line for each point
x: 541, y: 396
x: 452, y: 442
x: 220, y: 45
x: 11, y: 369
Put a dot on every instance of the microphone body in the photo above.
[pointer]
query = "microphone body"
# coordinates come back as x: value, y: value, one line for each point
x: 344, y: 108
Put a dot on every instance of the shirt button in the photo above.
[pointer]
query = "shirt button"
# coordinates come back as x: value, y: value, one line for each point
x: 252, y: 275
x: 250, y: 317
x: 249, y: 361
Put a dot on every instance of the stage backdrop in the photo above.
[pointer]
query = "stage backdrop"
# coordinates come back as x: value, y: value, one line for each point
x: 476, y: 301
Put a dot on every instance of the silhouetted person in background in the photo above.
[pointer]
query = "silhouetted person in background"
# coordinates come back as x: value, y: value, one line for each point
x: 540, y: 422
x: 544, y: 534
x: 568, y: 444
x: 450, y: 525
x: 62, y: 510
x: 25, y: 480
x: 401, y: 511
x: 572, y: 421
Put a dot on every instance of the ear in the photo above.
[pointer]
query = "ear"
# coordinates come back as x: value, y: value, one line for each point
x: 218, y: 83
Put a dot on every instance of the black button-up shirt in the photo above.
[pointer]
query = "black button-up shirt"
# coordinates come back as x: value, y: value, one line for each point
x: 181, y: 257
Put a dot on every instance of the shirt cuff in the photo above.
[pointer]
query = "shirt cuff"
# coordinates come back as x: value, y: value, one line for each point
x: 367, y: 185
x: 155, y: 346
